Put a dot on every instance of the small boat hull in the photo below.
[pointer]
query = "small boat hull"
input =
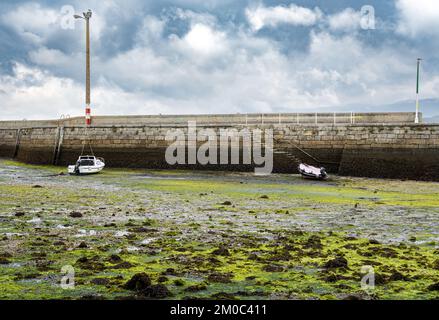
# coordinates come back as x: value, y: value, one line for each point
x: 87, y: 165
x: 85, y: 170
x: 313, y: 173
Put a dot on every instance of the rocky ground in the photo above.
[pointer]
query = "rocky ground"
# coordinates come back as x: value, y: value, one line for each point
x: 133, y: 234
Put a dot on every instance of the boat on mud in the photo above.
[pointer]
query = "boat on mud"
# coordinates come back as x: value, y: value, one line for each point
x: 87, y: 165
x: 314, y: 173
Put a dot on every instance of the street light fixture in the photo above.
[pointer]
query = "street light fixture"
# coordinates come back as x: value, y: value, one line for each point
x: 87, y: 16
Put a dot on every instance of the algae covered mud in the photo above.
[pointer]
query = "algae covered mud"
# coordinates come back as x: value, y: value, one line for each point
x: 133, y: 234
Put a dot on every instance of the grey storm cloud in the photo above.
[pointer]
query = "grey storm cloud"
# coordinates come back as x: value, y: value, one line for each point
x: 193, y: 56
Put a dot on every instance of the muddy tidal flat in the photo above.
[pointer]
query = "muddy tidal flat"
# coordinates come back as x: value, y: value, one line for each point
x: 143, y: 234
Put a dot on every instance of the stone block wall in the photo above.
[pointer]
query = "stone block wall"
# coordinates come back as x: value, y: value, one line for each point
x: 224, y: 119
x: 8, y: 141
x: 404, y: 151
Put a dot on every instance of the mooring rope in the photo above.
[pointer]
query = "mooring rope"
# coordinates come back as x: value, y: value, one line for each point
x: 87, y: 141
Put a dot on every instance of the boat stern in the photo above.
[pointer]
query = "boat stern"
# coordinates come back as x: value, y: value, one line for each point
x: 71, y: 169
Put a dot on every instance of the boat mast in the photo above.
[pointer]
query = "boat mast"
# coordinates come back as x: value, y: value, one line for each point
x: 417, y: 90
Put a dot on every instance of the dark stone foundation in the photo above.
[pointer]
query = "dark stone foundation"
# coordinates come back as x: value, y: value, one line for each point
x: 412, y: 164
x: 404, y: 163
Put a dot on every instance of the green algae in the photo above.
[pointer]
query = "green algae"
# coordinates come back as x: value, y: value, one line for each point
x: 18, y: 164
x: 170, y: 224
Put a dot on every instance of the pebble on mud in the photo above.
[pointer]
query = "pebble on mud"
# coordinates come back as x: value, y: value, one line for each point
x: 221, y: 251
x: 141, y: 283
x: 272, y: 268
x: 169, y: 272
x: 142, y: 230
x: 313, y: 242
x: 397, y: 276
x: 138, y: 282
x: 158, y: 291
x: 433, y: 287
x: 3, y: 260
x: 75, y: 214
x: 227, y: 203
x: 220, y: 277
x: 179, y: 282
x: 82, y: 245
x: 122, y: 265
x: 339, y: 262
x: 114, y: 258
x: 90, y: 263
x: 196, y: 288
x: 100, y: 281
x: 19, y: 214
x: 223, y: 296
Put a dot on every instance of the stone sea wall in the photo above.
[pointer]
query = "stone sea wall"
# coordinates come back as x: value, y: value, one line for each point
x: 391, y: 150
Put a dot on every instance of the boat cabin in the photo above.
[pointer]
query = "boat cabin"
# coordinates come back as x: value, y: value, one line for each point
x: 86, y: 161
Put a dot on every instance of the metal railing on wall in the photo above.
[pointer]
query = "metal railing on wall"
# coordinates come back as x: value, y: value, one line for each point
x: 333, y: 118
x: 304, y: 118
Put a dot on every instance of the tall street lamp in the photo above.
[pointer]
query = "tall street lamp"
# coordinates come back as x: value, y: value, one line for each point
x: 417, y: 91
x: 87, y: 16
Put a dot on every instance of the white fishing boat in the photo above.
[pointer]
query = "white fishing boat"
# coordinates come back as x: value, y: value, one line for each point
x: 310, y: 172
x: 87, y: 165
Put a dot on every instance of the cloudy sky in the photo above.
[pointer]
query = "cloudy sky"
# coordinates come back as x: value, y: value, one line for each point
x: 215, y: 56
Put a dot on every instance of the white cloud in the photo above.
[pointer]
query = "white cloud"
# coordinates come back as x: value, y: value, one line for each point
x: 346, y: 20
x: 35, y: 94
x: 193, y: 17
x: 253, y: 75
x: 150, y: 31
x: 358, y: 73
x: 204, y: 40
x: 32, y: 93
x: 38, y: 25
x: 418, y: 18
x: 46, y: 57
x: 32, y: 22
x: 261, y: 16
x: 213, y: 69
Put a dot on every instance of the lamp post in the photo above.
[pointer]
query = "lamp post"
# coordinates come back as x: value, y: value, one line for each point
x: 417, y: 90
x: 87, y: 16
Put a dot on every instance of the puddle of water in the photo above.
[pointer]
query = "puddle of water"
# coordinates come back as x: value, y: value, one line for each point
x: 12, y: 234
x: 85, y: 233
x: 122, y: 233
x: 35, y: 221
x: 60, y: 226
x: 15, y: 265
x: 162, y: 178
x: 147, y: 241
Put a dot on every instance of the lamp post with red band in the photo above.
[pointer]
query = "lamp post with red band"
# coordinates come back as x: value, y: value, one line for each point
x: 87, y: 116
x: 87, y: 16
